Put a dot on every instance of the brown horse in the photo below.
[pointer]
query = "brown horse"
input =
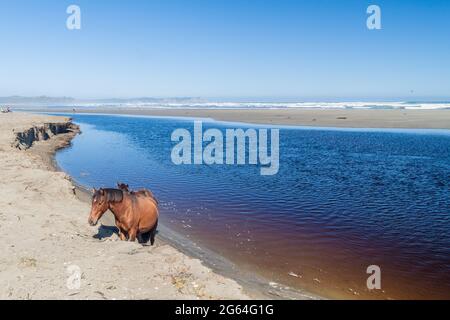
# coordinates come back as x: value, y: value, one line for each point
x: 143, y: 192
x: 136, y: 216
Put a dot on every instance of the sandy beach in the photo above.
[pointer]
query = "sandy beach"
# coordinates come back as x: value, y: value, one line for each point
x: 350, y: 118
x: 45, y: 235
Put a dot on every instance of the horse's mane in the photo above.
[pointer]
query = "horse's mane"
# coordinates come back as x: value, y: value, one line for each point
x: 114, y: 195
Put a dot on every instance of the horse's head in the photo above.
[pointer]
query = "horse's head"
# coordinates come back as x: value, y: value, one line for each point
x: 99, y: 206
x: 123, y: 186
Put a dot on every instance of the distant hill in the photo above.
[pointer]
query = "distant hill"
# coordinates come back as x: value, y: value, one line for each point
x: 69, y: 100
x: 40, y: 99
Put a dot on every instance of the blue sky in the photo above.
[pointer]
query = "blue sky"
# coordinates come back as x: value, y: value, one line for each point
x: 300, y: 50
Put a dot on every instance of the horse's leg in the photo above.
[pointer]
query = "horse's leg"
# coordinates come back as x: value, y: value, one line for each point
x: 132, y: 234
x: 152, y: 238
x: 139, y: 238
x: 121, y: 233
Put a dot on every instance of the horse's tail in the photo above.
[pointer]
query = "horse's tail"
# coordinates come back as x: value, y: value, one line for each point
x: 146, y: 237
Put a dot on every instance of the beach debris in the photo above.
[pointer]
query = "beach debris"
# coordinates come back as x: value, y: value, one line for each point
x: 101, y: 294
x: 134, y: 251
x: 180, y: 280
x: 28, y: 262
x: 292, y: 274
x: 273, y: 284
x: 316, y: 280
x: 353, y: 291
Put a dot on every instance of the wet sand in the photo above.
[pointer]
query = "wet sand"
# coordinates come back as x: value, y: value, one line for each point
x: 45, y: 234
x: 348, y: 118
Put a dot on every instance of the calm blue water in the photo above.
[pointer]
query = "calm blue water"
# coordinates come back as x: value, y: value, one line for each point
x: 342, y: 200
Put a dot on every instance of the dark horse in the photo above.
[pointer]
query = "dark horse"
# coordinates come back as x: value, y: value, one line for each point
x: 135, y: 215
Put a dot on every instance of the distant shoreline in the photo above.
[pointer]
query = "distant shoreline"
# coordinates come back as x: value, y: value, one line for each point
x: 339, y: 118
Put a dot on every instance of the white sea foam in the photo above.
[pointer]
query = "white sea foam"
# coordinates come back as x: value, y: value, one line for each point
x: 255, y: 105
x: 288, y: 105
